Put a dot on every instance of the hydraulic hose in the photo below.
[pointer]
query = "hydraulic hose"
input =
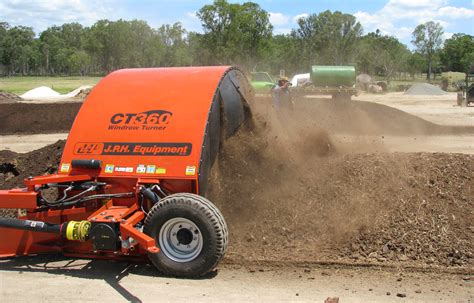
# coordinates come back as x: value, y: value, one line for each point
x: 37, y: 226
x: 72, y: 230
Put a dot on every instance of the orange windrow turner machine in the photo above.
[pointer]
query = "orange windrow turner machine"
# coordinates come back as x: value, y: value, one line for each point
x: 134, y: 171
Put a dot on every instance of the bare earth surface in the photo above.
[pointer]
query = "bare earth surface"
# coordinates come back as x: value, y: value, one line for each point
x: 319, y: 202
x: 437, y: 109
x: 416, y: 143
x: 60, y: 280
x: 27, y: 143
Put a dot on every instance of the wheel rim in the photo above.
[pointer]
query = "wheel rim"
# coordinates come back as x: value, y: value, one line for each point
x: 180, y: 240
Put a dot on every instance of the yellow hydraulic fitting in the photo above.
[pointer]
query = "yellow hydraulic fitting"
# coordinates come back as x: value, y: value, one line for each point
x: 78, y: 230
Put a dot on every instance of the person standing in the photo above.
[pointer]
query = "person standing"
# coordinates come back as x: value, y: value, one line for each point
x: 281, y: 94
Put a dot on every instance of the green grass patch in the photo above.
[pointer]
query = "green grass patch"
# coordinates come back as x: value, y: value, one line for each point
x: 21, y: 84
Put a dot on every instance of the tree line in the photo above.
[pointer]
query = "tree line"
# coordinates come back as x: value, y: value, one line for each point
x: 237, y: 34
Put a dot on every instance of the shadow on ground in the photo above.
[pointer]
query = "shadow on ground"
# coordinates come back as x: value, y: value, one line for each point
x: 109, y: 271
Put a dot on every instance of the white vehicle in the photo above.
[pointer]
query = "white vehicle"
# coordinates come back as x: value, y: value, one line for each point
x: 300, y: 80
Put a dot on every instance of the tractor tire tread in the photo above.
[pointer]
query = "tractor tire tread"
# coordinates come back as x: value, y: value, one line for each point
x: 204, y: 206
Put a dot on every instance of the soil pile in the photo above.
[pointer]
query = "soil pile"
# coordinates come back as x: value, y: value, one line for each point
x: 6, y: 97
x: 424, y: 89
x: 428, y: 215
x: 14, y: 167
x: 288, y: 194
x: 22, y: 118
x: 360, y: 118
x: 382, y: 208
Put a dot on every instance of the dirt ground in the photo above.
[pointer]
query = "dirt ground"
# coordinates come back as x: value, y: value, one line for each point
x: 28, y: 143
x: 463, y: 143
x: 437, y: 109
x: 87, y: 281
x: 379, y: 189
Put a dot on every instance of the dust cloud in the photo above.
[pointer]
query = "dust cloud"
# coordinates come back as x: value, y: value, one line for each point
x: 289, y: 191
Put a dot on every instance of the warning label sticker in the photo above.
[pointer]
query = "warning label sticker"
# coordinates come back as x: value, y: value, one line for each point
x: 109, y: 168
x: 65, y: 167
x: 150, y: 169
x: 161, y: 170
x: 141, y: 169
x: 123, y: 169
x: 190, y: 170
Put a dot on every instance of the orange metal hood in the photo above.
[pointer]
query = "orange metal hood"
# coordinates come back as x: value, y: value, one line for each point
x: 154, y: 121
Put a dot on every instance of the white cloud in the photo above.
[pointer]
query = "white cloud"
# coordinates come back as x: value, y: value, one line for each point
x: 417, y: 3
x: 283, y: 24
x: 447, y: 35
x: 278, y: 19
x: 41, y: 14
x: 456, y: 12
x: 304, y: 15
x: 443, y: 23
x: 192, y: 15
x: 399, y: 17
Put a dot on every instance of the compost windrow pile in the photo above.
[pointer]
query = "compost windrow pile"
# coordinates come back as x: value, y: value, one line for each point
x: 25, y: 118
x: 289, y: 193
x: 15, y: 167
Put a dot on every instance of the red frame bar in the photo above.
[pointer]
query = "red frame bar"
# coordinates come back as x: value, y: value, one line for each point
x: 18, y: 198
x: 127, y: 229
x: 40, y: 180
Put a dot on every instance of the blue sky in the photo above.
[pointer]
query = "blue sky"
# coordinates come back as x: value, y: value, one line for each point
x: 394, y: 17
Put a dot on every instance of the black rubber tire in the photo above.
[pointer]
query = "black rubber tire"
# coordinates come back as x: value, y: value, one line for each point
x: 206, y: 216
